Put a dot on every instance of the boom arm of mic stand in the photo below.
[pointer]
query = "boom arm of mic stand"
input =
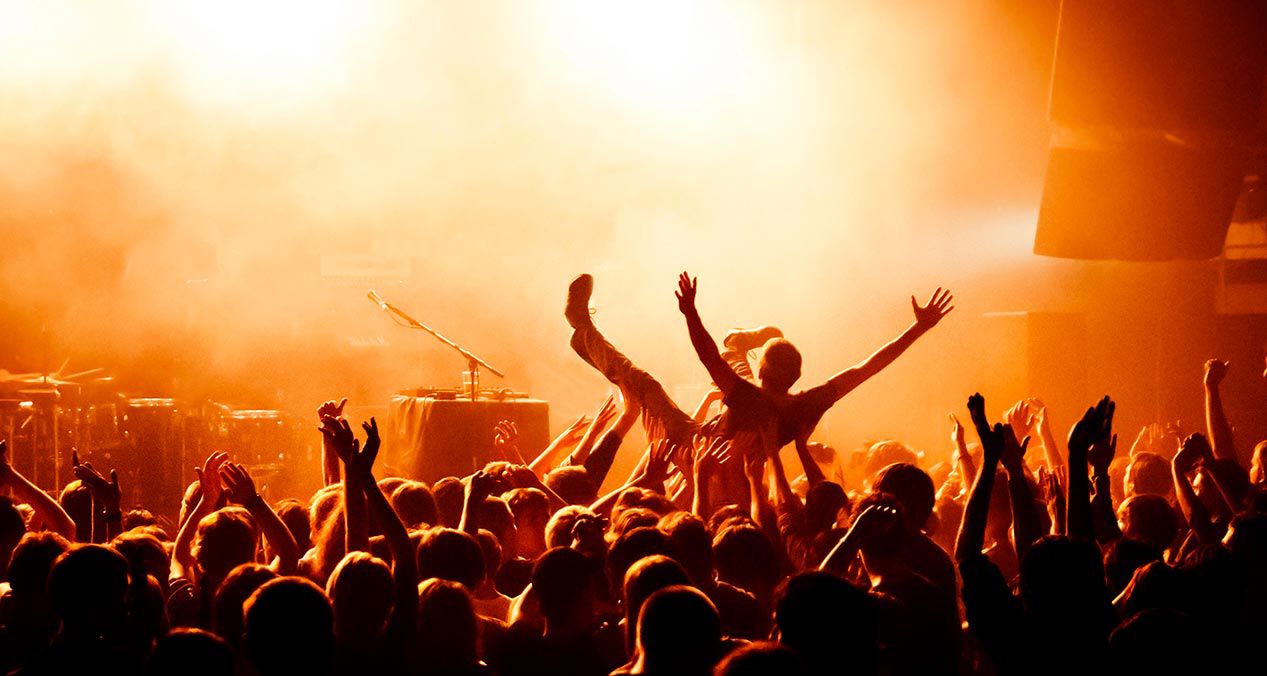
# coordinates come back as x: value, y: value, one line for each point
x: 473, y: 361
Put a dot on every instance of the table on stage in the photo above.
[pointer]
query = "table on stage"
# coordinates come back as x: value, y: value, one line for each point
x: 428, y: 438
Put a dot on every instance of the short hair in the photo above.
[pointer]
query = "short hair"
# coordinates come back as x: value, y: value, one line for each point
x: 32, y: 559
x: 572, y: 483
x: 760, y: 659
x: 88, y: 583
x: 884, y: 453
x: 559, y: 528
x: 746, y: 558
x: 1150, y: 474
x: 561, y: 579
x: 451, y: 555
x: 679, y: 624
x: 780, y: 363
x: 449, y: 494
x: 191, y: 652
x: 361, y: 590
x: 822, y: 616
x: 823, y: 502
x: 912, y: 487
x: 289, y: 627
x: 415, y: 504
x: 224, y: 539
x: 1149, y: 518
x: 231, y: 596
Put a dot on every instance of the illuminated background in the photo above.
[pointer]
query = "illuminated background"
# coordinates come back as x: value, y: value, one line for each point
x: 176, y: 176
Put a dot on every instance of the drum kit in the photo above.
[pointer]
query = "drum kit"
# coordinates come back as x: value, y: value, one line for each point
x: 153, y: 443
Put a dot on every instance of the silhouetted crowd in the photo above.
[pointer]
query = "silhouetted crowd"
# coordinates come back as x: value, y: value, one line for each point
x: 1021, y: 554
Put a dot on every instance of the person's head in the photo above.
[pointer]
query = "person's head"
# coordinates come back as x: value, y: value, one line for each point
x: 76, y: 499
x: 1063, y: 579
x: 884, y: 453
x: 573, y: 484
x: 890, y: 544
x: 495, y: 516
x: 629, y: 519
x: 449, y: 494
x: 1247, y: 538
x: 361, y: 590
x: 561, y: 528
x: 190, y: 652
x: 144, y: 552
x: 492, y: 550
x: 137, y: 518
x: 12, y: 528
x: 780, y: 365
x: 1150, y: 519
x: 451, y: 555
x: 294, y: 514
x: 288, y: 628
x: 638, y: 497
x: 32, y: 560
x: 531, y: 509
x: 231, y: 596
x: 1148, y: 474
x: 224, y: 539
x: 825, y: 504
x: 1258, y: 464
x: 561, y: 579
x: 645, y: 577
x: 692, y: 546
x: 762, y: 659
x: 323, y: 505
x: 821, y: 617
x: 1122, y: 558
x: 727, y: 514
x: 746, y: 558
x: 910, y: 486
x: 415, y: 504
x: 679, y: 632
x: 448, y: 627
x: 633, y: 546
x: 88, y: 587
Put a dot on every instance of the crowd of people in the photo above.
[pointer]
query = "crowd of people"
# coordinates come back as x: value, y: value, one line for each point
x: 1020, y: 554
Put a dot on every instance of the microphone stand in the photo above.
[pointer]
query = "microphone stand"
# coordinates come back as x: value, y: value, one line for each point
x: 473, y: 362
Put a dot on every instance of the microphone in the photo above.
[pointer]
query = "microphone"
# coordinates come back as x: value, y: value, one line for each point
x: 377, y: 300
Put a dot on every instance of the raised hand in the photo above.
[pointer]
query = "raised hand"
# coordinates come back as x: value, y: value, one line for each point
x: 1102, y: 452
x: 873, y: 522
x: 1012, y: 452
x: 480, y: 486
x: 956, y: 434
x: 364, y: 460
x: 976, y: 412
x: 938, y: 306
x: 339, y: 433
x: 1215, y: 371
x: 239, y: 484
x: 331, y: 409
x: 686, y: 288
x: 659, y: 457
x: 1021, y: 417
x: 1195, y: 451
x: 710, y: 453
x: 1095, y: 426
x: 105, y: 492
x: 209, y: 482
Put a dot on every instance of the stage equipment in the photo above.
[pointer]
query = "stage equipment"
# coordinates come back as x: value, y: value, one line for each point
x: 431, y: 437
x: 471, y: 377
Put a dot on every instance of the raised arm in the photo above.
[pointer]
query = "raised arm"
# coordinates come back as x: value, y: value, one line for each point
x: 724, y: 377
x: 241, y: 489
x: 567, y: 439
x: 329, y: 458
x: 1090, y: 429
x: 598, y: 463
x: 606, y: 414
x: 356, y: 520
x: 1216, y: 424
x: 926, y: 317
x: 404, y: 561
x: 1026, y: 521
x: 710, y: 454
x: 209, y: 488
x: 47, y: 511
x: 107, y: 519
x: 1195, y: 449
x: 1103, y: 517
x: 971, y: 538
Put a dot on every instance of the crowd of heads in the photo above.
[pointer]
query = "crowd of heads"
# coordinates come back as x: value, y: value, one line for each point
x: 1022, y: 552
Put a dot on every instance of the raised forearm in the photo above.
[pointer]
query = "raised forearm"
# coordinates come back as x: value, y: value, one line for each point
x: 277, y: 535
x: 1078, y: 506
x: 1217, y: 425
x: 47, y: 510
x: 971, y: 538
x: 1104, y: 519
x: 330, y: 468
x: 355, y: 515
x: 599, y: 462
x: 813, y: 473
x: 1194, y: 511
x: 706, y: 349
x: 1026, y: 521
